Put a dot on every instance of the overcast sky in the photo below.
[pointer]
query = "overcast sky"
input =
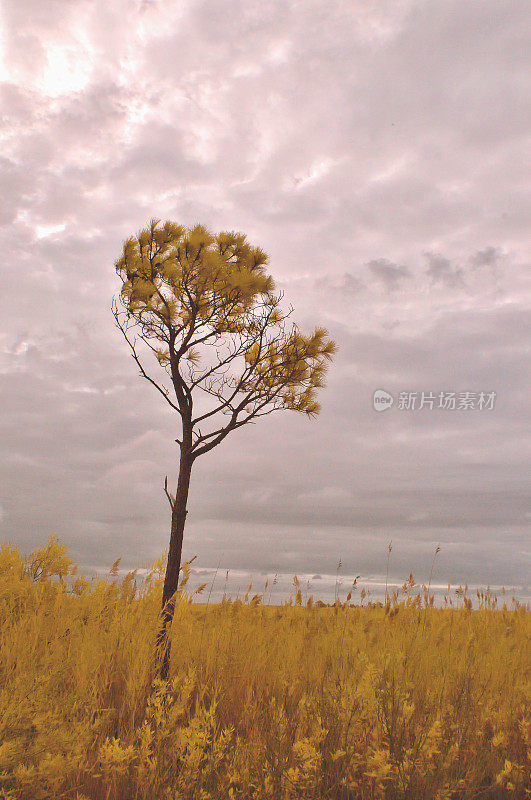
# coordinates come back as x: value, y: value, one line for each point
x: 376, y: 151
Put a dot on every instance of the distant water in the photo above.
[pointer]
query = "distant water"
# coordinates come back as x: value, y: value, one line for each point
x: 235, y: 584
x: 327, y: 587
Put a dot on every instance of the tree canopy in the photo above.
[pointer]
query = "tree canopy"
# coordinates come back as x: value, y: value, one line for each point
x: 207, y: 308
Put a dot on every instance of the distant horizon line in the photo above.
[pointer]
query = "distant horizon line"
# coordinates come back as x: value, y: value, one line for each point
x: 343, y: 581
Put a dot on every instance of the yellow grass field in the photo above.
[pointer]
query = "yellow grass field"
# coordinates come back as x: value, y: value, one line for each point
x: 299, y: 701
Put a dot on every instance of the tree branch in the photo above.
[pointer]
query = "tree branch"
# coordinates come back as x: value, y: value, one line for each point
x: 161, y: 389
x: 171, y: 498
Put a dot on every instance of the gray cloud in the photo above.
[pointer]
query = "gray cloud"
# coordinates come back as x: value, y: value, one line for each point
x: 488, y: 257
x: 390, y: 274
x: 374, y: 151
x: 440, y: 270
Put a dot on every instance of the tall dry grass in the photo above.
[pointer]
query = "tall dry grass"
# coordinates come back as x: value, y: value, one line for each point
x: 300, y: 701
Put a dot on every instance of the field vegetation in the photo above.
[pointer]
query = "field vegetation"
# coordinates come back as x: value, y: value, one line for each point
x: 397, y: 701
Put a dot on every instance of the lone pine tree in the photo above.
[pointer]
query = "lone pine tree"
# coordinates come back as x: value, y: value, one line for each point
x: 206, y: 308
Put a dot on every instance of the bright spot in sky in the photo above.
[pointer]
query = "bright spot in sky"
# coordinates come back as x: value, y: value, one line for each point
x: 47, y: 230
x: 317, y: 171
x: 21, y: 348
x: 65, y: 71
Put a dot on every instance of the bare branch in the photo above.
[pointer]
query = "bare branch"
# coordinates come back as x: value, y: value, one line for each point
x: 171, y: 498
x: 163, y: 391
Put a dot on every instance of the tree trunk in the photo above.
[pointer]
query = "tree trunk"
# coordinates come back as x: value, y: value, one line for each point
x: 173, y: 567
